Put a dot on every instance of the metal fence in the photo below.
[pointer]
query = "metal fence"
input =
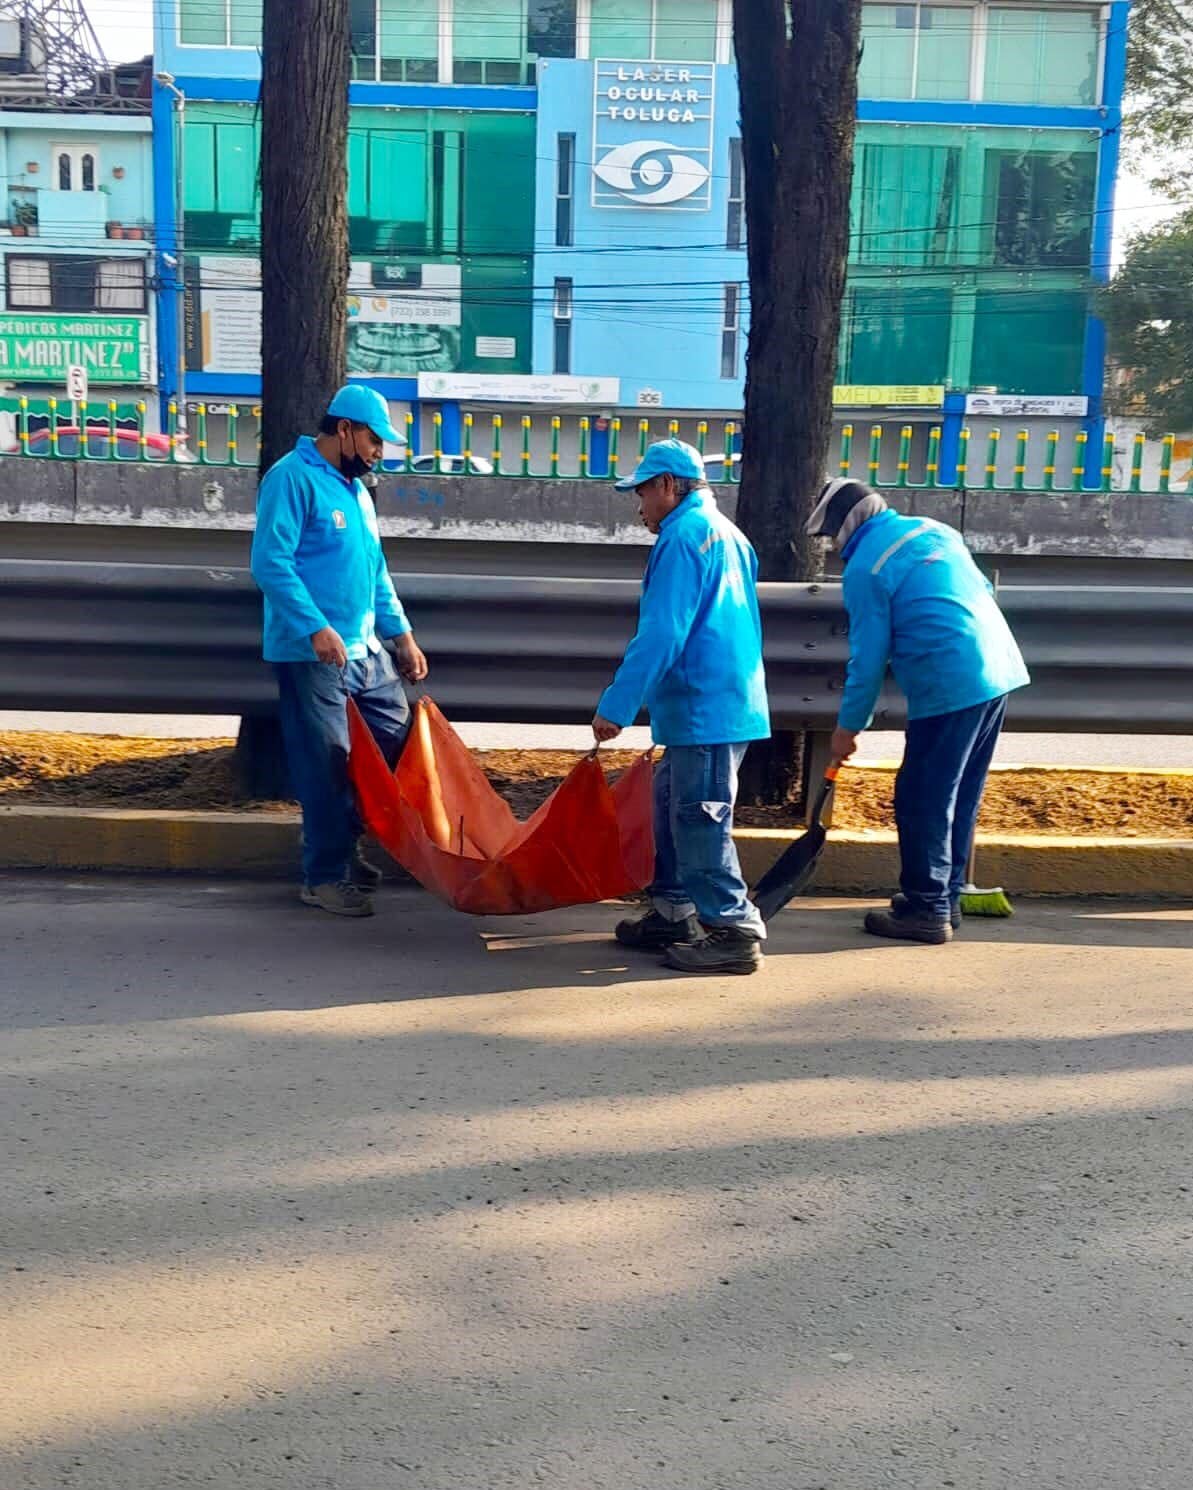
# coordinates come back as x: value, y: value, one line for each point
x: 185, y: 640
x: 228, y: 434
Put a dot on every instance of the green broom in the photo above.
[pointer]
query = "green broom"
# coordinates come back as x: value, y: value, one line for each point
x: 975, y: 902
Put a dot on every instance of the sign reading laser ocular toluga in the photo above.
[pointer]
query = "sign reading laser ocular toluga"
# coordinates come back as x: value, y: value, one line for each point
x: 653, y: 135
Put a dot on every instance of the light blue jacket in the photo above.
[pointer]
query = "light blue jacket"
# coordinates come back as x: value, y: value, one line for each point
x: 917, y: 601
x: 696, y: 659
x: 317, y: 557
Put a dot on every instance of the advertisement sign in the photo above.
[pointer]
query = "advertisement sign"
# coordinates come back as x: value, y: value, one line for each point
x: 405, y: 317
x: 888, y: 395
x: 1064, y: 407
x: 40, y: 348
x: 519, y: 388
x: 653, y: 135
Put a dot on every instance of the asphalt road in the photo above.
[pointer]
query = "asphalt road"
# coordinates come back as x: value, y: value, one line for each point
x: 475, y: 1205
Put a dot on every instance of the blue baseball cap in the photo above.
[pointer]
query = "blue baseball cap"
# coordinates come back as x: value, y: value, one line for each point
x: 665, y: 457
x: 363, y: 405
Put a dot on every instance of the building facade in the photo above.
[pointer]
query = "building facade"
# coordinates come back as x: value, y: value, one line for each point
x: 546, y: 206
x: 76, y: 270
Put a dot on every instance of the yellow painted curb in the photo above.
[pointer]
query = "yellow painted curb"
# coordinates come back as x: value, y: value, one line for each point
x: 1020, y: 864
x: 267, y: 843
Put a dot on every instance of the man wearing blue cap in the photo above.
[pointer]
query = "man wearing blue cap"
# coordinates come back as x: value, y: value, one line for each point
x: 318, y: 559
x: 696, y: 664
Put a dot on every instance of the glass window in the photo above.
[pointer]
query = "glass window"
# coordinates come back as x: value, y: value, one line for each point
x: 236, y: 169
x: 915, y: 51
x: 362, y: 20
x: 244, y: 23
x: 203, y: 23
x: 734, y: 226
x: 488, y: 31
x: 120, y: 284
x: 551, y: 28
x: 565, y: 190
x: 685, y: 30
x: 28, y: 284
x: 1042, y: 56
x: 1029, y: 341
x: 88, y: 173
x: 730, y: 331
x: 563, y: 326
x: 905, y: 204
x: 621, y: 28
x: 64, y: 171
x: 944, y: 47
x: 410, y: 41
x: 1039, y: 207
x: 198, y: 184
x: 896, y: 335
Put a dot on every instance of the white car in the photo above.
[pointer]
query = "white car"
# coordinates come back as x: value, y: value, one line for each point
x: 715, y: 464
x: 449, y: 465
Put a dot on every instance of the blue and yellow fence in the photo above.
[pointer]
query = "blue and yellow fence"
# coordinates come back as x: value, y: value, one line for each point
x: 900, y: 456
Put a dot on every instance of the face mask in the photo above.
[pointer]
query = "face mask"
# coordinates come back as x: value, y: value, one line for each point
x: 354, y: 466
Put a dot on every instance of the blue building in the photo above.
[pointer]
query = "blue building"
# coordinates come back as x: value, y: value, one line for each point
x: 546, y: 205
x: 76, y: 266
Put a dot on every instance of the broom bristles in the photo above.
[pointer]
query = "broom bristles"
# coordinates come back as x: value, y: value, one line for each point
x: 975, y: 902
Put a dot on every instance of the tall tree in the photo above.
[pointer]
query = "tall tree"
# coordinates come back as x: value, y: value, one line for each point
x: 305, y: 62
x: 1148, y: 309
x: 305, y: 65
x: 1158, y: 133
x: 797, y: 64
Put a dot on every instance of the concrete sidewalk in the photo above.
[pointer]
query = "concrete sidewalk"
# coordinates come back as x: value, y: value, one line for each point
x: 474, y: 1205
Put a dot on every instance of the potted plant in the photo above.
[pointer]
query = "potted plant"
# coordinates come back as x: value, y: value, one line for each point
x: 24, y: 219
x: 134, y: 232
x: 115, y: 230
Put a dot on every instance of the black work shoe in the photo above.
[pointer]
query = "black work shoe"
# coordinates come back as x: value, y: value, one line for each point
x: 909, y: 928
x: 899, y: 908
x: 362, y: 874
x: 654, y: 933
x: 724, y: 950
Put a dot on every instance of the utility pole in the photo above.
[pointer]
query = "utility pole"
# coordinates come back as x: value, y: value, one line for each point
x: 797, y: 64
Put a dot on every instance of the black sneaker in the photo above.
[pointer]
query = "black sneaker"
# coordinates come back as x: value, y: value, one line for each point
x: 909, y: 928
x: 361, y: 873
x: 725, y: 949
x: 899, y: 907
x: 654, y: 933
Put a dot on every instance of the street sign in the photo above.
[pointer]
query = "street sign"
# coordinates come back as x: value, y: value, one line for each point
x: 76, y: 384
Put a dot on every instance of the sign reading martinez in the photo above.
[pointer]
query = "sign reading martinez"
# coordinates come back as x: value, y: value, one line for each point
x: 652, y: 135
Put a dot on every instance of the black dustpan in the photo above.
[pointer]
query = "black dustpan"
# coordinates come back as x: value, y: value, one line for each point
x: 789, y: 874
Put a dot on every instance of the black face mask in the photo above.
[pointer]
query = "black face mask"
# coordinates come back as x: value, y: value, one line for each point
x: 354, y: 466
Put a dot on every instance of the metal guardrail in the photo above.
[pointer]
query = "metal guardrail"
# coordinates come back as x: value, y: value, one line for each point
x: 156, y: 639
x: 228, y: 434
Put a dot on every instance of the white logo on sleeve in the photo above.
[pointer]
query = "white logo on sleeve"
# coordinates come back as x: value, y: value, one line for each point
x: 339, y: 519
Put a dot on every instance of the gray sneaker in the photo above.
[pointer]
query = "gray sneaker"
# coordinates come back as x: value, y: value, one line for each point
x: 338, y: 900
x: 364, y: 876
x: 726, y: 949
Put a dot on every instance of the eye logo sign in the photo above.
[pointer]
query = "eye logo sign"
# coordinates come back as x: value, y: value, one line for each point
x: 651, y: 173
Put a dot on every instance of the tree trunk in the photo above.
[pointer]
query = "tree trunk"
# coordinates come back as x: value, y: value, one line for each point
x: 797, y: 69
x: 304, y: 262
x: 304, y: 216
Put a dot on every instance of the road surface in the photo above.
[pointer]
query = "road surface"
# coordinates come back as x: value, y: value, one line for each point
x: 476, y: 1205
x: 1173, y: 752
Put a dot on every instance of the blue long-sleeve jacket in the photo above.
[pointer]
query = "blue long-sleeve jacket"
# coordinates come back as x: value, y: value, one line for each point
x: 696, y: 659
x: 918, y: 602
x: 317, y: 557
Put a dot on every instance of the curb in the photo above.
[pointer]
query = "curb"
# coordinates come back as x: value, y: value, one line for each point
x: 266, y: 844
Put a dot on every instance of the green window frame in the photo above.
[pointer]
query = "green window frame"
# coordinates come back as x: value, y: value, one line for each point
x: 906, y: 203
x: 1042, y: 56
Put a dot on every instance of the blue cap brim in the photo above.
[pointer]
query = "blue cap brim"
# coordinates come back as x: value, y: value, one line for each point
x: 628, y: 483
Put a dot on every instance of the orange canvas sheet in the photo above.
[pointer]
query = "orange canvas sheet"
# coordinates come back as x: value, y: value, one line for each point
x: 439, y: 817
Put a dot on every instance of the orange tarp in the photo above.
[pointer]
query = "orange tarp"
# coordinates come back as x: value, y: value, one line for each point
x: 439, y: 817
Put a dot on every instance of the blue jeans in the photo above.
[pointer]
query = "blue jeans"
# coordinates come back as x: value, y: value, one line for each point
x: 937, y: 795
x: 696, y: 866
x: 314, y: 696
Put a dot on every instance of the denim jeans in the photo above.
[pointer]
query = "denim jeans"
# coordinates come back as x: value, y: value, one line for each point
x: 314, y: 696
x: 696, y: 866
x: 937, y: 795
